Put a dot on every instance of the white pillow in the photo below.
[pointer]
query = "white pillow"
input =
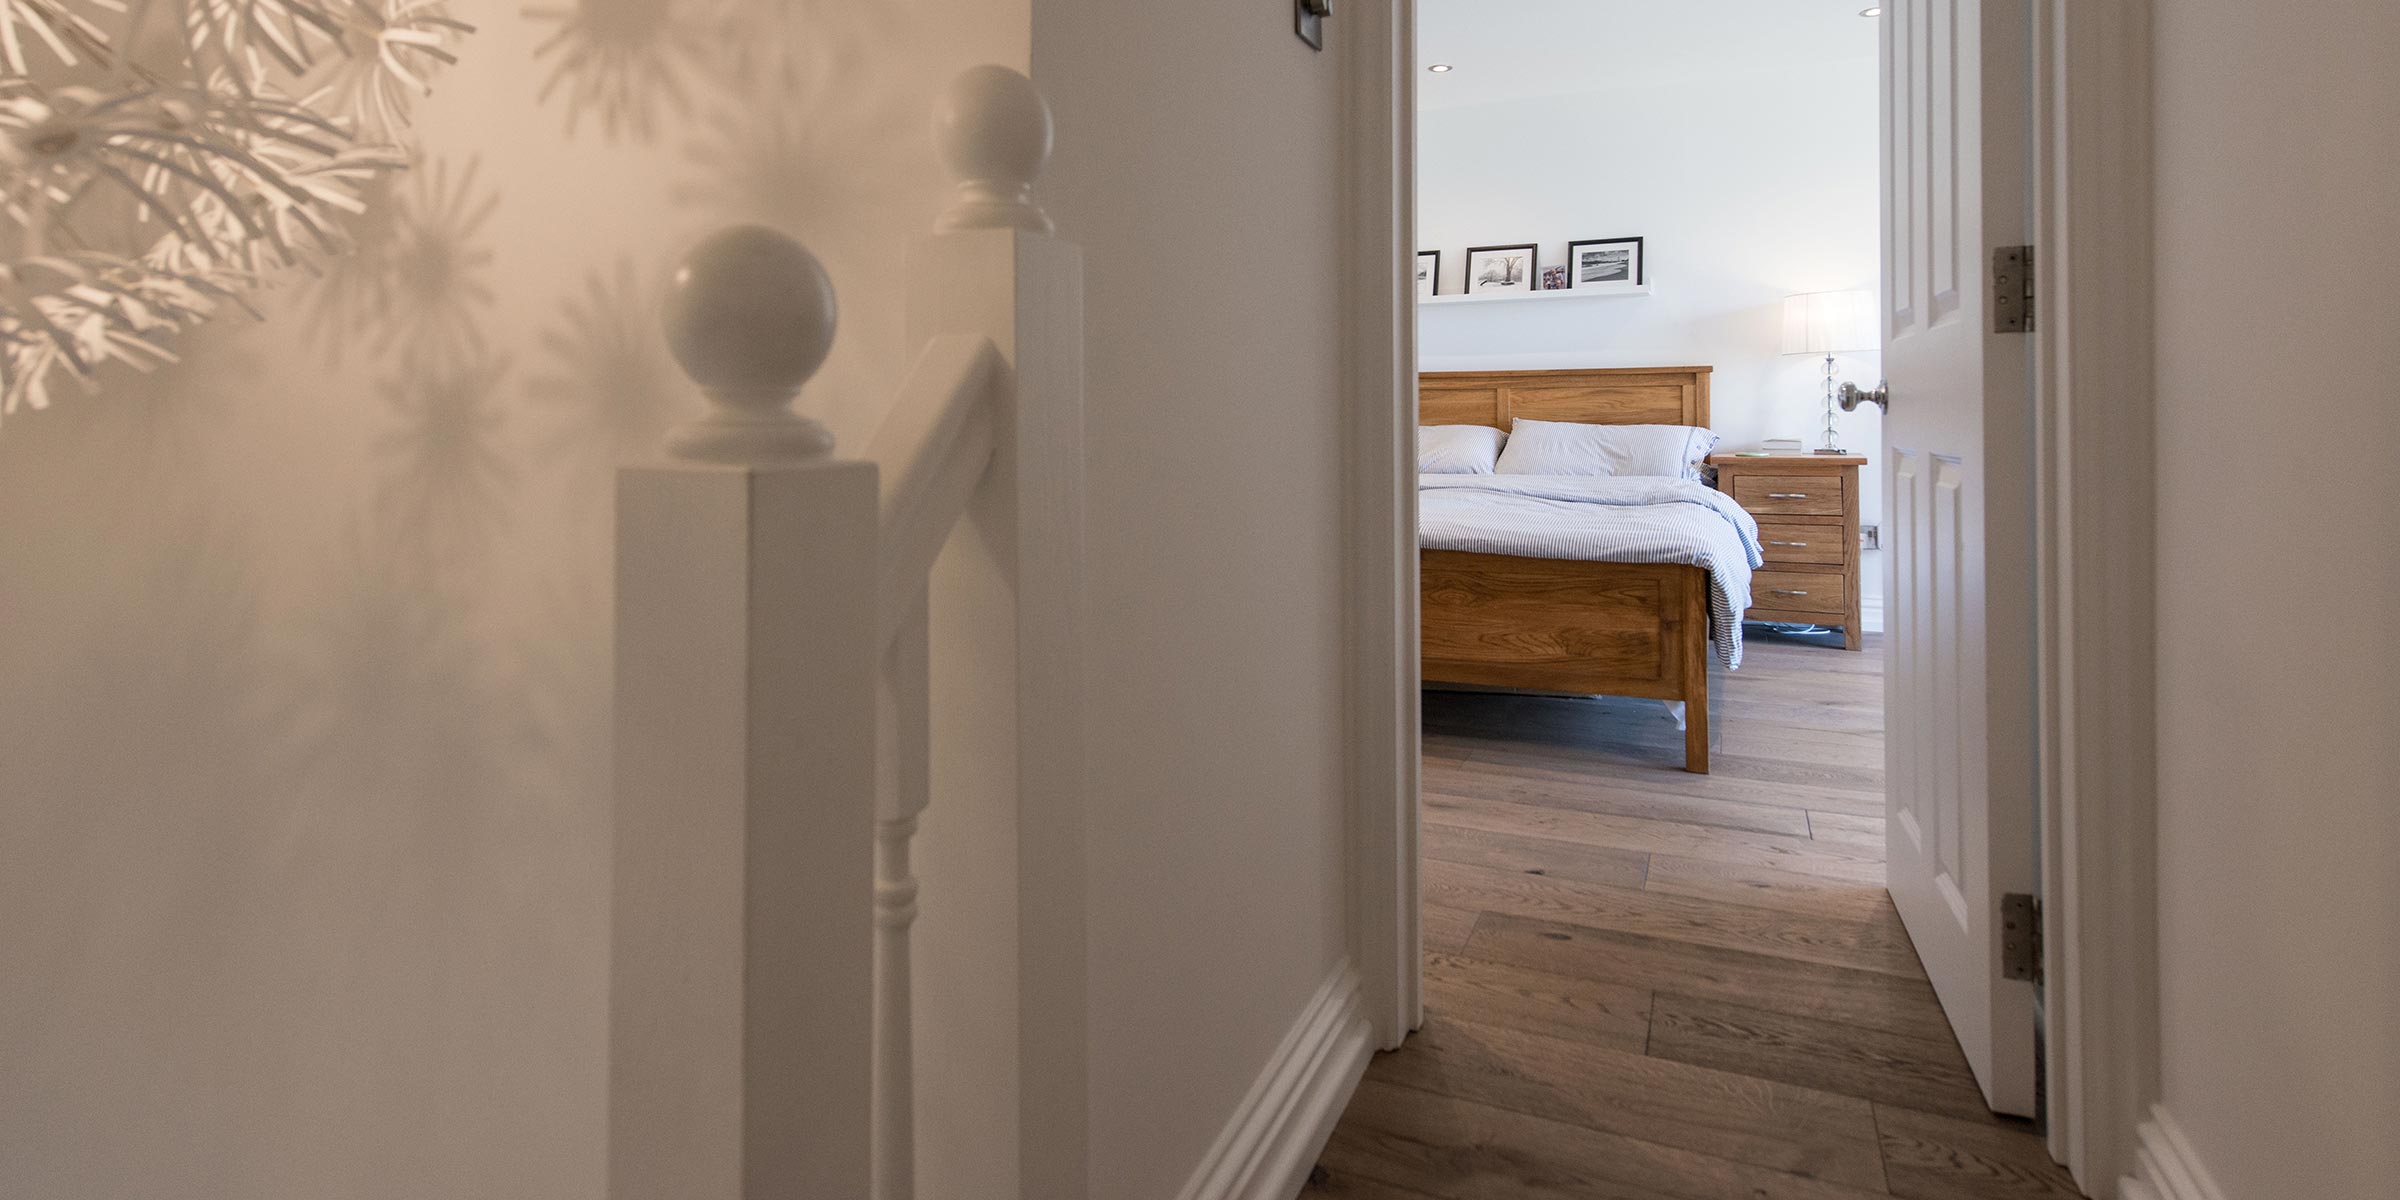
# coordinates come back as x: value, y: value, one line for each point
x: 1573, y: 448
x: 1458, y: 449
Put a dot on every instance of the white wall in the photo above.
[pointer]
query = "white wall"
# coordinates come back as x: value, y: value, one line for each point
x: 1197, y: 164
x: 1748, y: 181
x: 304, y: 644
x: 303, y: 727
x: 2278, y: 177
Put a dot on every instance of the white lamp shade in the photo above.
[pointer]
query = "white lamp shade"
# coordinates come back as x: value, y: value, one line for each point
x: 1829, y: 323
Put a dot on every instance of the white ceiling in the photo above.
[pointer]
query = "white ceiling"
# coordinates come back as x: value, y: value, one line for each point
x: 1516, y: 49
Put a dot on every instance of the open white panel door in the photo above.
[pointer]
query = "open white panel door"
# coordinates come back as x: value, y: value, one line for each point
x: 1958, y: 449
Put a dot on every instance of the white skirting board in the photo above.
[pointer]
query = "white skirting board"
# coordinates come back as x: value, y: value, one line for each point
x: 1275, y: 1136
x: 1870, y: 613
x: 2165, y: 1167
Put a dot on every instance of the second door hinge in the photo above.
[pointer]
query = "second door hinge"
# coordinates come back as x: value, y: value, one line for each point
x: 2020, y: 937
x: 2012, y: 289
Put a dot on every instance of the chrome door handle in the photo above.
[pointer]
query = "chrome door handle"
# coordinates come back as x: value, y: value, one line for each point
x: 1787, y: 543
x: 1787, y: 495
x: 1853, y: 396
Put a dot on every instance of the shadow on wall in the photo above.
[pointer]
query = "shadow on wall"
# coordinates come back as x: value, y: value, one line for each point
x: 623, y: 63
x: 305, y: 640
x: 605, y: 386
x: 632, y: 66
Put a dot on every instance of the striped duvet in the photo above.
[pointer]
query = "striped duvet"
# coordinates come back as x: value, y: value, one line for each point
x: 1622, y: 519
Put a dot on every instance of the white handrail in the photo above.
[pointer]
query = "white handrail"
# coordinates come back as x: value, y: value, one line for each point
x: 932, y: 450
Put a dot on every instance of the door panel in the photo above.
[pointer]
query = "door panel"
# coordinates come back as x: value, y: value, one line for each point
x: 1959, y: 456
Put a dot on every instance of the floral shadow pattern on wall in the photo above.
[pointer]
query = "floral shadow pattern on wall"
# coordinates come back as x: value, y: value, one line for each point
x: 622, y: 62
x: 605, y: 383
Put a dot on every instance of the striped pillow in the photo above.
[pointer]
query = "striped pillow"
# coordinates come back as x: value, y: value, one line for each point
x: 1457, y: 449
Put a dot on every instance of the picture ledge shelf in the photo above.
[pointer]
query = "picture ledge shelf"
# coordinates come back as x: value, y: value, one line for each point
x: 1520, y: 297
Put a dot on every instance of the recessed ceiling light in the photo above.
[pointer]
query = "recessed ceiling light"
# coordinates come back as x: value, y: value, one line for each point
x: 1875, y: 11
x: 1446, y: 68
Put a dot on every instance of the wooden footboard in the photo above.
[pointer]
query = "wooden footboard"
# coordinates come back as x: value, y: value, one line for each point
x: 1615, y: 629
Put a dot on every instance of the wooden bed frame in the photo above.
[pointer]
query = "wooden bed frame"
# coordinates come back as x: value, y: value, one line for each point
x: 1562, y: 625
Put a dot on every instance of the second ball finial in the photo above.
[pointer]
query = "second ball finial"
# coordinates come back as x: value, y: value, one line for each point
x: 993, y: 129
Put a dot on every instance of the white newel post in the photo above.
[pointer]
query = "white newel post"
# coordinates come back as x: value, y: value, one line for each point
x: 745, y: 763
x: 993, y: 268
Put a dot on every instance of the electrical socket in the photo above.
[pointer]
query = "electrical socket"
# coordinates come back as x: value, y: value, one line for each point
x: 1870, y: 537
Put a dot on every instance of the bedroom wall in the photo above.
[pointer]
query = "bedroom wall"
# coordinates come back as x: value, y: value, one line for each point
x: 304, y: 643
x: 1197, y: 146
x: 1750, y: 181
x: 2279, y: 814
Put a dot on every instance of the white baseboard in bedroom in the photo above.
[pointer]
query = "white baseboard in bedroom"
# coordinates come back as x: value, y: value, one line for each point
x: 2165, y: 1165
x: 1870, y: 613
x: 1275, y: 1136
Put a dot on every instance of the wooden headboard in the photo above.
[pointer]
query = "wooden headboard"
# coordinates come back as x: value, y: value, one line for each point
x: 1596, y: 396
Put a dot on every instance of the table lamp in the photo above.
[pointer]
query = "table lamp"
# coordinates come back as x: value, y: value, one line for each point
x: 1829, y: 323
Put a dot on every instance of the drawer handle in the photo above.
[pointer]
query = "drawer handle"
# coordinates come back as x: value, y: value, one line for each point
x: 1785, y: 592
x: 1787, y: 543
x: 1787, y: 495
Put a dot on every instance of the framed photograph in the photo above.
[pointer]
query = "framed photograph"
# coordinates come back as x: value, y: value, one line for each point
x: 1606, y: 264
x: 1429, y: 272
x: 1554, y: 278
x: 1494, y: 269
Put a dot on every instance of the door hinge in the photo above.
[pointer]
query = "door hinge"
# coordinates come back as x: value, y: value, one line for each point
x: 2020, y: 937
x: 2012, y: 289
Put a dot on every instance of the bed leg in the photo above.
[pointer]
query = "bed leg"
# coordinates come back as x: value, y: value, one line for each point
x: 1695, y: 675
x: 1695, y: 729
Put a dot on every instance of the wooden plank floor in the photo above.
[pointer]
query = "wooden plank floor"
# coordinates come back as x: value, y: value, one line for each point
x: 1648, y: 985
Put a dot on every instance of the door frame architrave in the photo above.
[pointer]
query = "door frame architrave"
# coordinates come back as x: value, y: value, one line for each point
x: 1379, y: 333
x: 2096, y: 545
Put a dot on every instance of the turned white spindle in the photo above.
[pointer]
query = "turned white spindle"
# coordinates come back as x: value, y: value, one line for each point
x: 750, y: 314
x: 742, y: 941
x: 903, y: 788
x: 993, y: 129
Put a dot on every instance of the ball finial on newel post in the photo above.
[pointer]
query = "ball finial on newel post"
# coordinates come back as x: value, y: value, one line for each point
x: 750, y: 314
x: 993, y: 130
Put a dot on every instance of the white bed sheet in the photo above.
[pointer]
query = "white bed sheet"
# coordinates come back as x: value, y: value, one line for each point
x: 1637, y: 519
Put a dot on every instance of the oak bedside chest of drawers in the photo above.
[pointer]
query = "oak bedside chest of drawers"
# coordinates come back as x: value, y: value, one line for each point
x: 1807, y: 510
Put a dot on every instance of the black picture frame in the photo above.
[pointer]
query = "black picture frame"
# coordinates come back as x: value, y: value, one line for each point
x: 1639, y: 272
x: 1533, y: 268
x: 1434, y: 276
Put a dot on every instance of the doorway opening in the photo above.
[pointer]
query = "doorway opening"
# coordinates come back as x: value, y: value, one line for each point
x: 1652, y: 841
